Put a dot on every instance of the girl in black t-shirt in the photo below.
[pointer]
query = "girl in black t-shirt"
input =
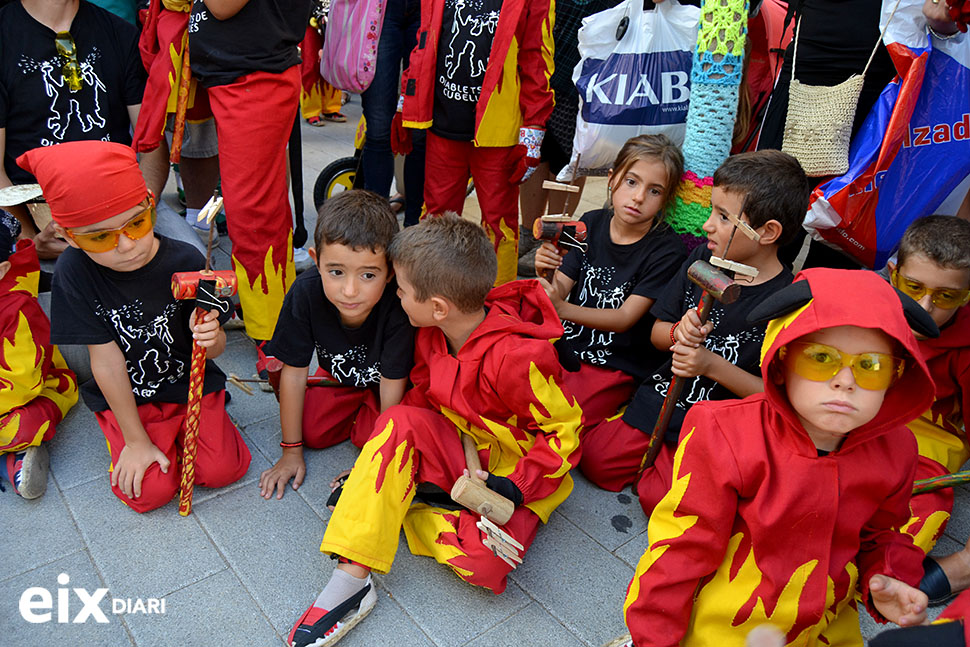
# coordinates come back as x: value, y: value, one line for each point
x: 604, y: 294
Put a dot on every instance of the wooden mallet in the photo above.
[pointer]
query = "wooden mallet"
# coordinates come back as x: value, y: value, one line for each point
x: 717, y: 286
x: 561, y: 233
x: 471, y: 491
x: 207, y: 288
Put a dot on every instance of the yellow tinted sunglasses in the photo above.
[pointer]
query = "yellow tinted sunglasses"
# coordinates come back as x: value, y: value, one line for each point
x: 946, y: 298
x: 821, y: 362
x: 107, y: 239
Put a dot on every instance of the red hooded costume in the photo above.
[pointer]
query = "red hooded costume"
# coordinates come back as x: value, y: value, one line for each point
x: 36, y: 387
x: 940, y: 435
x: 757, y: 526
x: 503, y: 387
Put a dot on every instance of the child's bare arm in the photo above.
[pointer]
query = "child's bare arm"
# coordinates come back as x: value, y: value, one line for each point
x: 209, y: 333
x: 548, y: 257
x: 610, y: 320
x: 291, y: 463
x: 690, y: 361
x: 392, y: 391
x: 138, y: 454
x: 660, y: 335
x: 897, y: 601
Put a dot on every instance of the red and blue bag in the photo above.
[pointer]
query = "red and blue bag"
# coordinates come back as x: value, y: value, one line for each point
x: 912, y: 151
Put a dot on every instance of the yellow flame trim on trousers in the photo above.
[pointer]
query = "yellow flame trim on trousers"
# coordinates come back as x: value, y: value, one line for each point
x: 506, y: 243
x: 261, y: 308
x: 424, y: 526
x: 366, y: 523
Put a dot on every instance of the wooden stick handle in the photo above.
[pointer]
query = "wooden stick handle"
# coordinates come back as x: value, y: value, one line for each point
x: 471, y: 458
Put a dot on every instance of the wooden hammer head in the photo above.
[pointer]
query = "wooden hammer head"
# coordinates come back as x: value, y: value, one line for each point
x: 185, y: 285
x: 713, y: 281
x: 553, y: 231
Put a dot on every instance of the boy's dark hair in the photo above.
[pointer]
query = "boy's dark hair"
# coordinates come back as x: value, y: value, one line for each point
x: 945, y: 240
x: 449, y: 257
x: 358, y: 219
x: 773, y: 186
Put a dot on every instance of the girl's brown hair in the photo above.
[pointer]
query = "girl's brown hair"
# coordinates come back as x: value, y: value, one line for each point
x: 651, y: 148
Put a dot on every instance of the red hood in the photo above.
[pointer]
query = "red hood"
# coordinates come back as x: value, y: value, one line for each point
x: 859, y: 298
x: 24, y: 273
x: 954, y: 335
x: 519, y: 307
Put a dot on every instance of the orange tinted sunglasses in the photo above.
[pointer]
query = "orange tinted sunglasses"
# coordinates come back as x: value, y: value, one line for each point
x: 107, y: 239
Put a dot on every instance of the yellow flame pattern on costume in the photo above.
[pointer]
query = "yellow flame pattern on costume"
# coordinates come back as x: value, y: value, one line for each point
x: 175, y: 75
x: 926, y: 532
x: 428, y: 531
x: 311, y: 101
x: 383, y: 480
x: 506, y: 246
x: 775, y: 326
x: 28, y: 282
x: 22, y: 379
x: 664, y: 523
x: 262, y: 297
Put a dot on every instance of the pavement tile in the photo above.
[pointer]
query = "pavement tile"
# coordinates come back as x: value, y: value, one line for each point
x: 633, y: 549
x: 192, y: 618
x: 142, y: 555
x: 244, y: 409
x: 448, y: 609
x: 78, y: 450
x: 531, y: 626
x: 82, y: 573
x: 580, y: 583
x: 273, y: 547
x: 35, y: 532
x: 322, y: 466
x: 387, y: 624
x: 257, y: 466
x: 611, y: 518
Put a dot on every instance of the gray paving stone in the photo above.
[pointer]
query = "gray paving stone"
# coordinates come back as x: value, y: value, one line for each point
x: 611, y: 518
x: 244, y: 409
x: 78, y: 450
x: 216, y: 610
x: 580, y: 583
x: 632, y: 550
x: 387, y: 624
x: 257, y: 465
x: 448, y: 609
x: 531, y: 626
x: 273, y: 547
x: 322, y: 466
x: 142, y: 555
x: 82, y: 573
x: 35, y: 532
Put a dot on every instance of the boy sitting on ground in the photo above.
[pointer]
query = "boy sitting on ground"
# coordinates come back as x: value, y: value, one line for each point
x: 484, y: 366
x: 346, y: 310
x: 784, y: 505
x: 112, y: 292
x: 933, y: 267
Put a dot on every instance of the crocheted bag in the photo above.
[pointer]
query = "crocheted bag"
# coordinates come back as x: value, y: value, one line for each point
x: 818, y: 126
x: 350, y: 46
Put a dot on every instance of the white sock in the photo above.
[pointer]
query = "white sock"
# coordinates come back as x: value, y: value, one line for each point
x: 192, y: 216
x: 341, y: 586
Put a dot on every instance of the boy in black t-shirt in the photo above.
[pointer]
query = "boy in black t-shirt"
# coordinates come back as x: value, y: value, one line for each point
x: 112, y: 292
x: 348, y: 313
x: 767, y: 190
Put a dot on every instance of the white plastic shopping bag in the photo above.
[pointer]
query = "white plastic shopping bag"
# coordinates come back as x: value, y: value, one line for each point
x: 633, y: 78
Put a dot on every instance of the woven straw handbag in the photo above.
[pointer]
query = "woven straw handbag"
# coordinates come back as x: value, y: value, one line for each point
x: 818, y: 125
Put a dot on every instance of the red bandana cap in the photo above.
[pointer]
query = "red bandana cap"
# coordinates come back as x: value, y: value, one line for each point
x: 86, y: 182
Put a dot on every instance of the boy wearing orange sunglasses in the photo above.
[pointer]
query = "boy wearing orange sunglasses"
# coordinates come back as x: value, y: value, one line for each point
x: 933, y: 267
x: 783, y: 506
x: 112, y: 292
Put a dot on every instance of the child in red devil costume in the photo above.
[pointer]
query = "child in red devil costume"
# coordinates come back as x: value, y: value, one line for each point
x: 112, y: 293
x: 784, y: 505
x: 484, y: 366
x: 933, y: 267
x: 478, y: 80
x: 36, y: 387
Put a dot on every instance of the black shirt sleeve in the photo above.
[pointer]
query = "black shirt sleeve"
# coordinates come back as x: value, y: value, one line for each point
x: 74, y: 319
x: 292, y: 341
x: 397, y: 351
x: 670, y: 304
x: 572, y: 262
x: 662, y: 262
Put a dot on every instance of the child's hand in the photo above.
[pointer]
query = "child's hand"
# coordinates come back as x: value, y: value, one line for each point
x: 898, y: 601
x: 548, y: 257
x: 290, y: 466
x: 133, y: 461
x: 552, y: 293
x: 690, y: 332
x: 690, y: 361
x: 207, y: 331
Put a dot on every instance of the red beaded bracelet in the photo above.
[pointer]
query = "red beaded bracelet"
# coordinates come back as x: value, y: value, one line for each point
x: 673, y: 340
x: 296, y: 444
